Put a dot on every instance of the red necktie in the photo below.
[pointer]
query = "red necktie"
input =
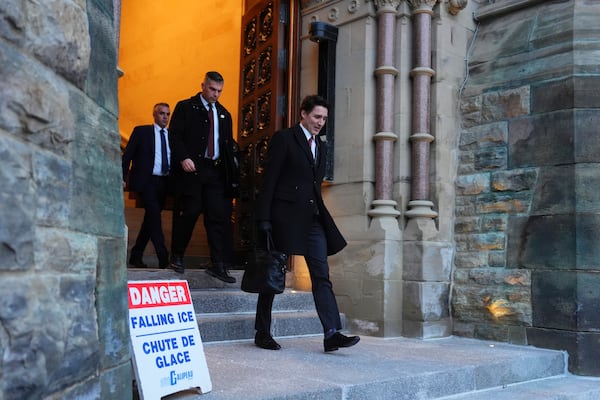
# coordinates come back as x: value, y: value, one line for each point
x: 210, y: 151
x: 310, y: 146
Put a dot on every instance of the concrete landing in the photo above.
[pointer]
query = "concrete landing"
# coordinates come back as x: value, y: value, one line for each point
x: 395, y: 369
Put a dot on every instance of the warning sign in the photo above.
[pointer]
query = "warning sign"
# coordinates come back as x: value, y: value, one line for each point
x: 168, y: 355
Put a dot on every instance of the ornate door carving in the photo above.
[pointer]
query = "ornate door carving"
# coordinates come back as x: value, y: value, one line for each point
x: 263, y: 102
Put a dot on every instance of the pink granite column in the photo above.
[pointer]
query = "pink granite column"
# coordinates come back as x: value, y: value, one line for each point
x: 419, y: 204
x: 385, y: 73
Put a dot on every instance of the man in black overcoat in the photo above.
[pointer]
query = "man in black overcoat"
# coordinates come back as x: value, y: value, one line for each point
x: 205, y: 171
x: 291, y: 209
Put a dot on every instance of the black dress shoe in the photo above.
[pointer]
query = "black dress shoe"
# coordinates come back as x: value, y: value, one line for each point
x: 163, y: 262
x: 338, y: 340
x: 266, y: 341
x: 219, y: 271
x: 177, y: 264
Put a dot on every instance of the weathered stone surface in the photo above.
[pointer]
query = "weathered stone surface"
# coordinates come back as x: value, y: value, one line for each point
x: 549, y: 242
x: 587, y: 142
x: 101, y: 83
x: 499, y: 202
x: 481, y: 136
x: 427, y: 261
x: 35, y: 103
x: 467, y: 224
x: 472, y: 184
x: 505, y: 104
x: 18, y: 211
x: 513, y: 180
x: 542, y: 140
x: 54, y: 31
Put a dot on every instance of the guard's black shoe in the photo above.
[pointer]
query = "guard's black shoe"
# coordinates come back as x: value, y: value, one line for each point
x: 266, y: 341
x: 177, y: 264
x: 219, y: 271
x: 338, y: 340
x: 163, y: 262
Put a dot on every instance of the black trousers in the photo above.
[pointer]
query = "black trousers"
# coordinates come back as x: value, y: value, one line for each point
x: 322, y: 289
x: 153, y: 197
x: 216, y: 206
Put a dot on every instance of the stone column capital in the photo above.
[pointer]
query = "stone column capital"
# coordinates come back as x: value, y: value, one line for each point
x: 419, y: 6
x: 386, y: 5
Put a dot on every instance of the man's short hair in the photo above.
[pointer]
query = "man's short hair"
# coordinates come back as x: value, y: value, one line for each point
x: 311, y: 101
x: 214, y: 76
x: 160, y: 105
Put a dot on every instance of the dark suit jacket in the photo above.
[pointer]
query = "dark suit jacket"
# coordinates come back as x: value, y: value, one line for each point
x: 291, y: 190
x: 188, y: 135
x: 140, y: 151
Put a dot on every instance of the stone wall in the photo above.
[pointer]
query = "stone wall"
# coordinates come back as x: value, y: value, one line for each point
x: 63, y: 326
x: 527, y: 209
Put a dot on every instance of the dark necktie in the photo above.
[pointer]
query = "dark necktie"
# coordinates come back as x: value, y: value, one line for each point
x: 210, y: 151
x: 310, y: 146
x: 163, y: 149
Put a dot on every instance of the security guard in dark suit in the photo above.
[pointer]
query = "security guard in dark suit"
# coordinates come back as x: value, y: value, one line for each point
x: 205, y: 171
x: 148, y: 150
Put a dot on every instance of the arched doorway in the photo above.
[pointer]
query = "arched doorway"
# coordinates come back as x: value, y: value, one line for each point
x: 164, y: 54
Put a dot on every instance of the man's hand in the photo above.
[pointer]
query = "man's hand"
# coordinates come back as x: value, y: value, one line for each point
x: 188, y: 165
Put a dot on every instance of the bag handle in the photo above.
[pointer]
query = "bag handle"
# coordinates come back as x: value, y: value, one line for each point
x: 270, y: 243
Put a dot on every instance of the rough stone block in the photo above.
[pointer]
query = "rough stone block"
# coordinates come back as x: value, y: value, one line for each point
x: 482, y: 136
x: 491, y: 158
x: 467, y: 224
x: 514, y: 180
x: 505, y: 104
x: 472, y: 184
x: 566, y: 300
x: 17, y: 213
x: 583, y: 347
x: 425, y: 301
x: 427, y: 261
x: 541, y: 140
x: 549, y: 242
x: 500, y: 202
x: 555, y: 191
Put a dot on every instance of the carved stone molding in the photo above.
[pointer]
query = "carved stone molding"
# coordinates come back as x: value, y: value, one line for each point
x: 386, y: 5
x: 421, y: 5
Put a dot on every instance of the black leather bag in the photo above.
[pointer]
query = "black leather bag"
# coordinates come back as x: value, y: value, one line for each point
x: 266, y: 273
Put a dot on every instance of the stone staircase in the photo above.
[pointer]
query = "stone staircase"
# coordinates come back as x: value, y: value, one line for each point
x: 224, y: 312
x: 380, y: 369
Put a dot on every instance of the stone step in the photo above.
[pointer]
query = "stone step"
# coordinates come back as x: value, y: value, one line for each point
x: 566, y: 387
x: 224, y: 327
x: 197, y: 278
x: 391, y: 369
x: 235, y: 301
x: 228, y: 314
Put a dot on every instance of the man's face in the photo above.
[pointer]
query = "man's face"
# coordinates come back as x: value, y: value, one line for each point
x: 211, y: 90
x: 314, y: 120
x: 161, y: 116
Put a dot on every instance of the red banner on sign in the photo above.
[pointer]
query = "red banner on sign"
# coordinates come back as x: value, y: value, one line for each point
x: 144, y: 295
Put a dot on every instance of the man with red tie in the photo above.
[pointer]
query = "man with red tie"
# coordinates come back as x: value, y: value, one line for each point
x: 205, y: 170
x: 148, y: 150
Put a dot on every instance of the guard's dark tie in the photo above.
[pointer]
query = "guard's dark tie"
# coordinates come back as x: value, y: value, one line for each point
x: 210, y: 151
x: 163, y: 149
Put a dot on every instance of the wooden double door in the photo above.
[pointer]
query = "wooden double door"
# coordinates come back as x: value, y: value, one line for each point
x: 267, y: 44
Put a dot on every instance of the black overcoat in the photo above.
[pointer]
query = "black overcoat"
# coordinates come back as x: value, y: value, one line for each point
x: 188, y: 138
x: 291, y: 189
